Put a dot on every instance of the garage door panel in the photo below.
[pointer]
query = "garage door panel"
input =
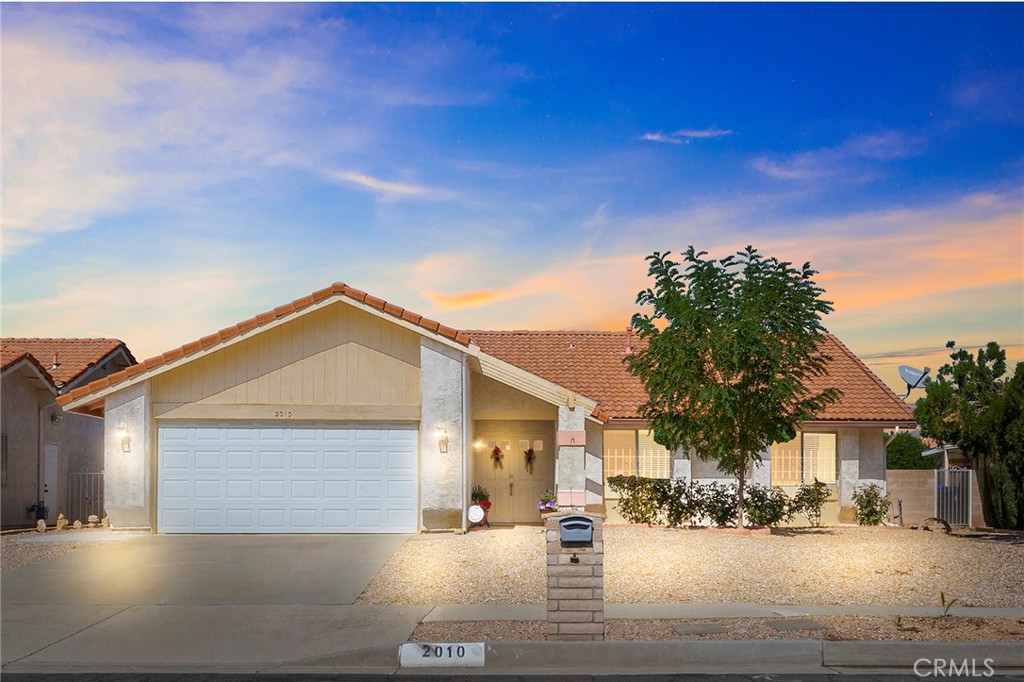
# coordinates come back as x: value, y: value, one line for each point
x: 298, y: 479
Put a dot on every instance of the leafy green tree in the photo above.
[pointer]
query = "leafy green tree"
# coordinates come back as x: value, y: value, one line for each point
x: 974, y: 405
x: 904, y: 452
x: 727, y: 353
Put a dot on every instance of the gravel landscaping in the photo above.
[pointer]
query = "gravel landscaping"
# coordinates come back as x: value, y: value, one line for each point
x: 837, y: 628
x: 829, y: 566
x: 21, y: 549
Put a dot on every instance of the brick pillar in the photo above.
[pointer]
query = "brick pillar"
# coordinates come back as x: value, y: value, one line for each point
x: 575, y: 587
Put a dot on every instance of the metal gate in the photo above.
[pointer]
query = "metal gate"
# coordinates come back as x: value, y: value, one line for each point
x: 953, y: 495
x: 85, y: 496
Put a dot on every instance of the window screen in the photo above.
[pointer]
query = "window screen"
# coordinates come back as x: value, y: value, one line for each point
x: 619, y: 453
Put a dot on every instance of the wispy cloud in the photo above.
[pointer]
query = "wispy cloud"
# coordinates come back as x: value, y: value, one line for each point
x: 394, y: 190
x: 684, y: 135
x: 851, y: 160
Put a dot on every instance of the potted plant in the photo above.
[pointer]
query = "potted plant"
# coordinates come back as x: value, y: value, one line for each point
x: 481, y: 497
x: 547, y: 503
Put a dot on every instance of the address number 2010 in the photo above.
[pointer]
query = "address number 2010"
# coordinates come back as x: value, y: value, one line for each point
x: 429, y: 655
x: 282, y: 414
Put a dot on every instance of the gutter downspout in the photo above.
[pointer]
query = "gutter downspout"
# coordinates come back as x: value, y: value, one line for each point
x: 465, y: 436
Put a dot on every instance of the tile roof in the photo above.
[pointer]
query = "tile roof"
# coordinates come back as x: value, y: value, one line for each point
x: 62, y: 361
x: 336, y: 289
x: 591, y: 363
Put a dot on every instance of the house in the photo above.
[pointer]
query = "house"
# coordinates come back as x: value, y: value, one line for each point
x: 43, y: 450
x: 341, y: 412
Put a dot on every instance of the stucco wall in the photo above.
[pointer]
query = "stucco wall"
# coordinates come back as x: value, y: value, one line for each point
x: 595, y: 463
x: 442, y: 486
x: 21, y: 402
x: 128, y: 476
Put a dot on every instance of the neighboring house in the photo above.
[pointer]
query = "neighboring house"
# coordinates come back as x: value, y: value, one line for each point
x: 40, y: 445
x: 341, y: 412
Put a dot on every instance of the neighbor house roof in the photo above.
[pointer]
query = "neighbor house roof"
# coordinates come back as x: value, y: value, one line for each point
x: 61, y: 361
x: 592, y: 363
x: 228, y: 333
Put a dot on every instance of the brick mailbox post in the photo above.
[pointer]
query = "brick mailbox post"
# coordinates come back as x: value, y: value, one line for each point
x: 575, y: 561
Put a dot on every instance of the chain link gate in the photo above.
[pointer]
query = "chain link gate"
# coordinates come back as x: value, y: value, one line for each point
x: 953, y: 496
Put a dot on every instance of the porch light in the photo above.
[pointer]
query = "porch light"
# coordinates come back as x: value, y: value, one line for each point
x: 442, y: 438
x: 478, y: 445
x: 125, y: 437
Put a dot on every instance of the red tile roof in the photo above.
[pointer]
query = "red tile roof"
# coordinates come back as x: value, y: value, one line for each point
x: 591, y: 363
x: 62, y: 361
x: 336, y: 289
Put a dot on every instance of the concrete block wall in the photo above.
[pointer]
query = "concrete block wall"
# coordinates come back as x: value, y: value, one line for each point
x: 575, y: 589
x: 916, y: 487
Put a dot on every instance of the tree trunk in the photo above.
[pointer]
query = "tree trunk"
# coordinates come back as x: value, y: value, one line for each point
x: 739, y: 497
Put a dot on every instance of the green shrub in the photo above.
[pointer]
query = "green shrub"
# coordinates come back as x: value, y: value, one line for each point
x: 809, y: 500
x: 640, y: 500
x: 872, y: 504
x: 684, y: 504
x: 720, y: 503
x: 766, y: 506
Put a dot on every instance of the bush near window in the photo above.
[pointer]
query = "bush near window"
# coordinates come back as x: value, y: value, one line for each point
x: 681, y: 503
x: 767, y: 506
x: 640, y: 501
x: 809, y: 500
x: 872, y: 504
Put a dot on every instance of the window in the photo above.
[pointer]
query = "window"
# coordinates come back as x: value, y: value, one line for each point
x: 801, y: 460
x: 634, y: 453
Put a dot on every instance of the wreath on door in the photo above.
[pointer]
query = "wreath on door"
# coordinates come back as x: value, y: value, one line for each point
x: 496, y: 456
x: 528, y: 457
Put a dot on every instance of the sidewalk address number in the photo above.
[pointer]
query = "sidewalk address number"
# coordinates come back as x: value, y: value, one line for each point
x: 447, y: 654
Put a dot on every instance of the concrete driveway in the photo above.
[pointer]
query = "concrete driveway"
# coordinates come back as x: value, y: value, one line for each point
x: 253, y: 602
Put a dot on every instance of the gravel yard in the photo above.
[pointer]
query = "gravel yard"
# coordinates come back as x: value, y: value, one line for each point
x: 24, y: 549
x: 837, y: 628
x: 829, y: 566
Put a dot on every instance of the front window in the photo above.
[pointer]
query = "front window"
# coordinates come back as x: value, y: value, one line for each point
x: 634, y: 453
x: 807, y: 457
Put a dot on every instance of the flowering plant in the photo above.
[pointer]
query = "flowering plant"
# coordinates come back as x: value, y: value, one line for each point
x: 496, y: 455
x: 547, y: 502
x: 479, y: 495
x: 528, y: 457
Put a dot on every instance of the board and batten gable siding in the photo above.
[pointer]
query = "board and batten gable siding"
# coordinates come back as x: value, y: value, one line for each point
x: 338, y: 356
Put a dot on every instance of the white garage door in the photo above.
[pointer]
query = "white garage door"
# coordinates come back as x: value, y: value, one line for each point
x: 246, y: 478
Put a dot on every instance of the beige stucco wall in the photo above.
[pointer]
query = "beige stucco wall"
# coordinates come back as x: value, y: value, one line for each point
x: 129, y: 476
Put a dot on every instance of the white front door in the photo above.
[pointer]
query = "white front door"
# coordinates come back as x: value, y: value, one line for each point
x: 271, y: 478
x: 51, y: 468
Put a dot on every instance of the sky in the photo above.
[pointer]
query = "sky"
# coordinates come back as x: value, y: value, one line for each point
x: 169, y: 170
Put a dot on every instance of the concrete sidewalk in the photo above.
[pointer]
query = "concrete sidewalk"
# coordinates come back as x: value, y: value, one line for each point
x: 265, y: 638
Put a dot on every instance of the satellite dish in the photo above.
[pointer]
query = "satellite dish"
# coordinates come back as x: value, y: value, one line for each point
x: 913, y: 376
x: 475, y: 514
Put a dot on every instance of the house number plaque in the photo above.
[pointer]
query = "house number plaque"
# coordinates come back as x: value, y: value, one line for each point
x: 440, y: 655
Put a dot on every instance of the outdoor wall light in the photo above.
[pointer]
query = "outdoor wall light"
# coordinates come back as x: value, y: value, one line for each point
x: 125, y: 437
x: 478, y: 445
x: 442, y: 438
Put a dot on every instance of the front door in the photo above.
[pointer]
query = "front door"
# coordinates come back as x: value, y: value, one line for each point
x: 515, y: 486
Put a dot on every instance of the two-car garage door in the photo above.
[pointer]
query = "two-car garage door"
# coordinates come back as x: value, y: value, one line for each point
x: 269, y: 478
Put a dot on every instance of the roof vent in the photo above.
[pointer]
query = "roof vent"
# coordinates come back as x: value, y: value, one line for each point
x: 629, y: 340
x: 56, y: 363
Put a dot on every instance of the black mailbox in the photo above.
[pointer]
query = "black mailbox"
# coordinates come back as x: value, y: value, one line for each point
x: 576, y: 530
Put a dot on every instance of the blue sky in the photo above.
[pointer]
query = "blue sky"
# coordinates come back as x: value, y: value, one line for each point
x: 172, y: 169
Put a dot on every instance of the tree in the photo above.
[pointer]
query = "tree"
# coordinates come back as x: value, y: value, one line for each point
x: 727, y: 353
x: 974, y: 405
x: 904, y: 452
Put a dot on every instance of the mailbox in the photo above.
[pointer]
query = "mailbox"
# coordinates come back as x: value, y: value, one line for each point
x: 576, y: 530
